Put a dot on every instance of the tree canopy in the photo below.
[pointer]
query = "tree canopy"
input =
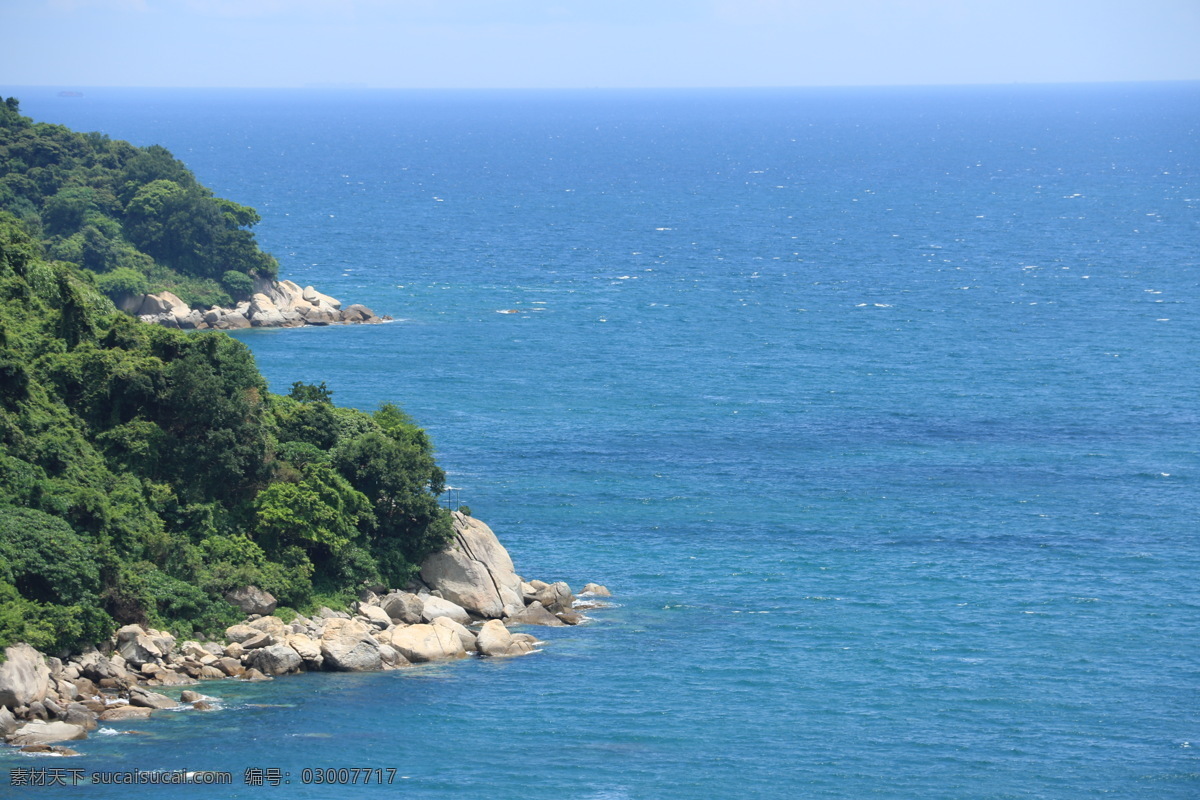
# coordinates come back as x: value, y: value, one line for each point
x: 135, y: 219
x: 145, y: 472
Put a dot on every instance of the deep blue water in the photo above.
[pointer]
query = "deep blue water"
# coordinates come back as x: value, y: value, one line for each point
x: 877, y: 410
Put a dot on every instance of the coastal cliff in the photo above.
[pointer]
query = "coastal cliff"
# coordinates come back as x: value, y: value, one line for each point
x: 467, y: 596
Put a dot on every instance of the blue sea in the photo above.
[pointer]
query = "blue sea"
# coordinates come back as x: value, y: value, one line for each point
x: 875, y: 408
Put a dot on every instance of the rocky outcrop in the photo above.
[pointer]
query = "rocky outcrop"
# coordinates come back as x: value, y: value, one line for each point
x: 274, y: 304
x: 475, y: 572
x: 443, y: 616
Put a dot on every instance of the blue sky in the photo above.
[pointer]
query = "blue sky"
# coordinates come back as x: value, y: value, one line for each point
x: 593, y: 43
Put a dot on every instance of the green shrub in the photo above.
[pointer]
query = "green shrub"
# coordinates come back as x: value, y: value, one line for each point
x: 122, y: 281
x: 238, y: 284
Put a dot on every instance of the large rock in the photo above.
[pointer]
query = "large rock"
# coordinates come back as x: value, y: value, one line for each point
x: 536, y: 614
x: 258, y: 640
x: 495, y: 640
x: 240, y: 633
x: 347, y: 646
x: 321, y: 314
x: 436, y: 607
x: 288, y: 295
x: 358, y: 313
x: 278, y: 659
x: 420, y: 643
x: 464, y: 635
x: 272, y: 626
x: 230, y: 666
x: 233, y: 321
x: 314, y: 297
x: 144, y: 699
x: 308, y: 649
x: 169, y: 677
x: 119, y: 713
x: 403, y: 607
x: 376, y: 616
x: 139, y: 646
x: 556, y: 597
x: 264, y: 313
x: 24, y: 676
x: 8, y: 723
x: 41, y: 732
x: 163, y: 303
x: 596, y: 590
x: 271, y: 290
x: 192, y: 320
x: 78, y: 714
x: 475, y: 571
x: 252, y: 600
x: 570, y: 617
x: 95, y: 667
x: 392, y: 658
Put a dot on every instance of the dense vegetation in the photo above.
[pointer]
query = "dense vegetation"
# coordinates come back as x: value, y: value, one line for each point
x: 134, y: 219
x: 144, y: 471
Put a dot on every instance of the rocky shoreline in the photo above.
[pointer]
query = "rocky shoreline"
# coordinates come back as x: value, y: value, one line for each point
x: 273, y: 304
x: 462, y: 604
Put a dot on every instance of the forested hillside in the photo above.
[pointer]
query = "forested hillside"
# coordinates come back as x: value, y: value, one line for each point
x: 145, y: 472
x: 135, y: 218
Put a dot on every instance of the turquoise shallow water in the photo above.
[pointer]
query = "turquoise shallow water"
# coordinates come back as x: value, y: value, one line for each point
x: 875, y: 408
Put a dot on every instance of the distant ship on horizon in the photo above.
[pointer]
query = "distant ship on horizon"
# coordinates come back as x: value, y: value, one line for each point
x: 70, y: 94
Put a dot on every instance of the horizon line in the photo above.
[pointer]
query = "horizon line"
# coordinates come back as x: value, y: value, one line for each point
x: 362, y: 87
